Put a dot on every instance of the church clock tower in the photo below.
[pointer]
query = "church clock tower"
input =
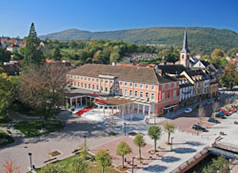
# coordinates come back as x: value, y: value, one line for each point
x: 184, y: 53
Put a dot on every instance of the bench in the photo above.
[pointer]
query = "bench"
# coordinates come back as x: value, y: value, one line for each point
x: 49, y: 160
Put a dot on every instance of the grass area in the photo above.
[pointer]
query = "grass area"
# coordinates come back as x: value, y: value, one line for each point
x: 66, y: 165
x: 4, y: 135
x: 38, y: 128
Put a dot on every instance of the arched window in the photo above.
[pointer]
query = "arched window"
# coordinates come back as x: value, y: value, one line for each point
x: 182, y: 56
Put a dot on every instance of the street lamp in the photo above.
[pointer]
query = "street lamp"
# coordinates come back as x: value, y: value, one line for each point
x: 171, y: 143
x: 85, y: 140
x: 30, y: 157
x: 132, y: 168
x: 124, y: 129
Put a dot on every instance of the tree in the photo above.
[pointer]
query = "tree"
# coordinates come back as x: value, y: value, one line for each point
x: 103, y: 159
x: 43, y: 88
x: 155, y: 132
x: 139, y: 142
x: 169, y: 128
x: 6, y: 93
x: 5, y: 55
x: 220, y: 164
x: 201, y: 114
x: 217, y: 53
x: 79, y: 166
x: 10, y: 167
x: 33, y: 54
x: 56, y: 54
x: 230, y: 76
x: 123, y: 149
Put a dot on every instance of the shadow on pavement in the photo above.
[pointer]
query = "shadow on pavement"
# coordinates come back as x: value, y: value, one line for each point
x: 155, y: 168
x: 170, y: 159
x: 184, y: 150
x: 193, y: 143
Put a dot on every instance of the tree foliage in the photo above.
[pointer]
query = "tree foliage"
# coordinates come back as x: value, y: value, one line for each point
x: 218, y: 165
x: 52, y: 168
x: 230, y: 76
x: 33, y: 53
x: 169, y: 128
x: 217, y: 53
x: 140, y: 142
x: 5, y: 55
x: 79, y: 166
x: 43, y: 88
x: 10, y: 166
x: 123, y: 149
x: 155, y: 133
x: 103, y: 159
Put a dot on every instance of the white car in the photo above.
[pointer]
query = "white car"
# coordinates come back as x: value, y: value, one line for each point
x: 188, y: 110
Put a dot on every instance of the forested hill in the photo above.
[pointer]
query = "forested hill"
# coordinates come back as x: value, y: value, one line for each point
x: 199, y: 38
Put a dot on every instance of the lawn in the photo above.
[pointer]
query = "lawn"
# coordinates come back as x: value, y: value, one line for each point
x: 4, y: 135
x: 38, y: 128
x: 66, y: 165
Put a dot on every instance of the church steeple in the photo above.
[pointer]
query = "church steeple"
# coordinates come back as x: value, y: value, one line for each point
x: 184, y: 53
x: 185, y: 42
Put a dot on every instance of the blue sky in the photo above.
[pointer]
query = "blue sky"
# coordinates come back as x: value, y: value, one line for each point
x: 106, y: 15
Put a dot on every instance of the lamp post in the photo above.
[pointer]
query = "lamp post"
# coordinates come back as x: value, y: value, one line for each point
x: 30, y: 157
x: 171, y: 144
x: 132, y: 168
x: 85, y: 140
x: 124, y: 129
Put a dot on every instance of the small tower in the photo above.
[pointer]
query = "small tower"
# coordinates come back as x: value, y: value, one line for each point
x: 184, y: 53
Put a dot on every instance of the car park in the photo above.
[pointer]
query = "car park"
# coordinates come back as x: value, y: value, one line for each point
x: 199, y: 128
x: 188, y: 110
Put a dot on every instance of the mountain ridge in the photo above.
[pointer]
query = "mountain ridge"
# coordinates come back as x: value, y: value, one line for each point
x: 199, y: 38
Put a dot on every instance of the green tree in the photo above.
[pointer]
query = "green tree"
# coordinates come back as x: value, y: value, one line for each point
x: 6, y: 93
x: 123, y: 149
x: 217, y: 53
x: 232, y: 52
x: 5, y: 55
x: 155, y: 132
x: 33, y: 53
x: 79, y: 166
x: 103, y: 159
x: 169, y: 128
x: 218, y: 165
x: 56, y: 54
x: 230, y: 76
x: 139, y: 142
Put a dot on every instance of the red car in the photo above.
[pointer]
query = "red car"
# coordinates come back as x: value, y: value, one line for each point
x: 222, y: 110
x: 233, y: 110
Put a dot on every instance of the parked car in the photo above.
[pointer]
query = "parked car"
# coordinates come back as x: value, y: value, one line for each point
x: 199, y: 128
x: 213, y: 120
x: 221, y: 115
x: 225, y: 112
x: 233, y: 110
x: 188, y: 110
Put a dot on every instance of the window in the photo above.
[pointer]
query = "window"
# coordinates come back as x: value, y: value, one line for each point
x: 82, y: 85
x: 120, y: 83
x: 163, y: 96
x: 135, y: 93
x: 89, y: 86
x: 101, y: 80
x: 131, y: 84
x: 74, y: 83
x: 152, y: 96
x: 125, y: 92
x: 163, y: 87
x: 147, y: 86
x: 106, y: 89
x: 93, y: 79
x: 89, y: 79
x: 93, y: 87
x: 125, y: 83
x: 120, y: 92
x: 77, y: 77
x: 106, y: 81
x: 81, y: 77
x: 97, y: 80
x: 85, y: 85
x: 141, y: 94
x: 97, y: 87
x: 152, y: 87
x: 111, y: 82
x: 74, y: 77
x: 169, y: 87
x: 85, y: 78
x: 130, y: 92
x: 174, y: 93
x: 78, y: 84
x: 146, y: 95
x: 136, y: 85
